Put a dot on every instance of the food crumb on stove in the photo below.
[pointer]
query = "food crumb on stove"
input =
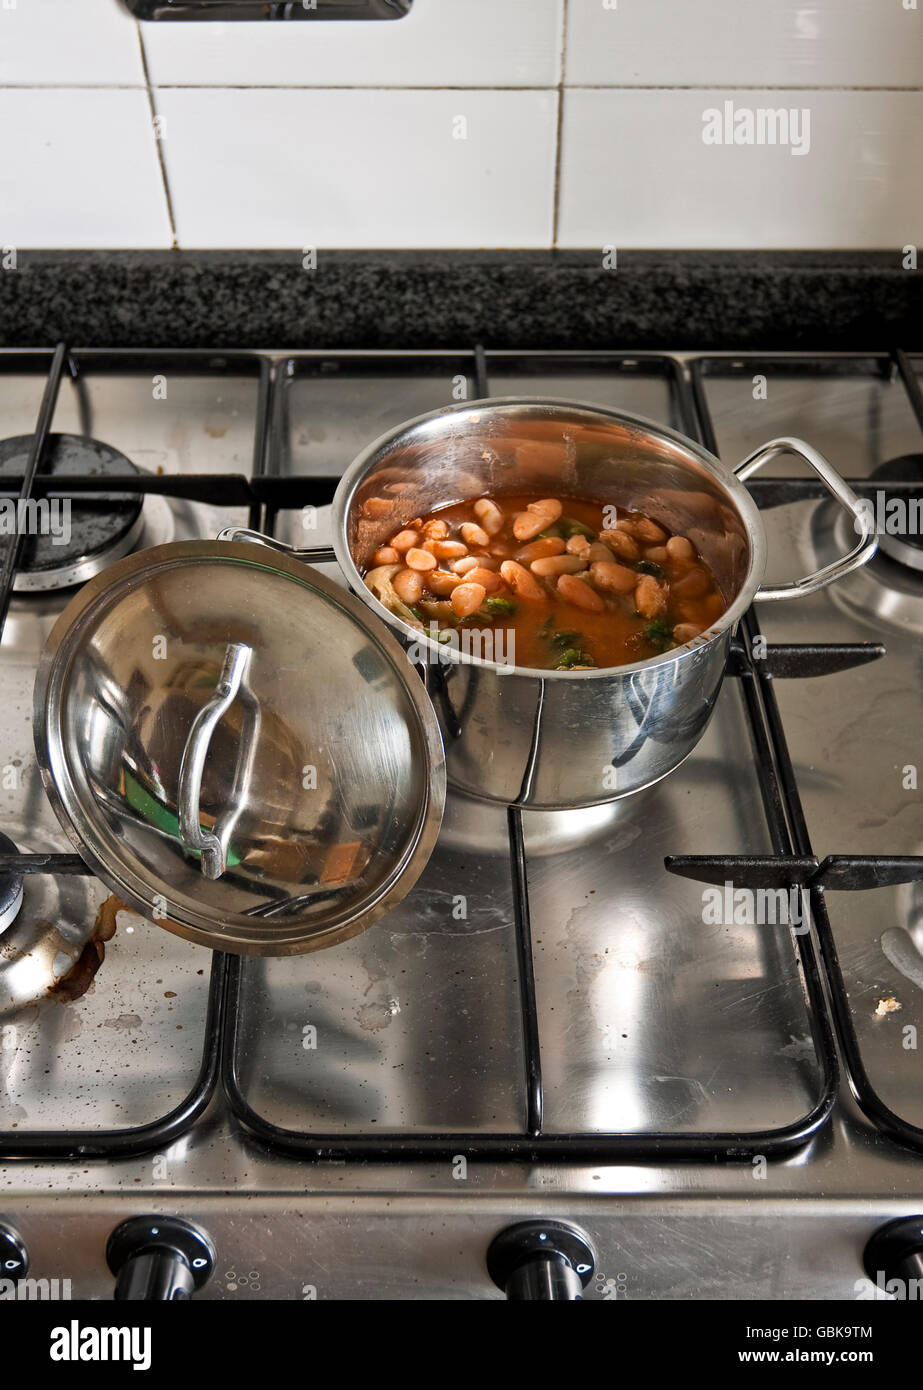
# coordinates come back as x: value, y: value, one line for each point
x: 887, y: 1006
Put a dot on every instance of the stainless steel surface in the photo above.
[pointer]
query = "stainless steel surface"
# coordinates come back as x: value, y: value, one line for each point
x: 416, y: 1020
x: 334, y: 807
x: 509, y: 733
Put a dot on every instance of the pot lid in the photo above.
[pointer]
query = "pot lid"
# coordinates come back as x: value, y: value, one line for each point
x: 238, y: 748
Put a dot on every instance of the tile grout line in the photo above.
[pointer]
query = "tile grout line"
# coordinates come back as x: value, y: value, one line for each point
x: 727, y: 87
x: 562, y: 74
x: 157, y: 144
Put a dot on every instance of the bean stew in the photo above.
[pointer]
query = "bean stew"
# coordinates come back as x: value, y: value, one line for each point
x: 573, y: 584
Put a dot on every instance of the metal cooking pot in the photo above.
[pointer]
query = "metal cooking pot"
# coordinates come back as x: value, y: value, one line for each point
x: 559, y: 739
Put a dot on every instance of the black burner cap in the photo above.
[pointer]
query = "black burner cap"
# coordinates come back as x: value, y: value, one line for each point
x: 10, y: 886
x: 95, y: 525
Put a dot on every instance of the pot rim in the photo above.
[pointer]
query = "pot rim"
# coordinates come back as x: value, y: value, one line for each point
x: 736, y: 492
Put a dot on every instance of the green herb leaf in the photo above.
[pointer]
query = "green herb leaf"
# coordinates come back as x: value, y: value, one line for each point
x: 569, y: 526
x: 659, y: 635
x: 572, y: 657
x: 499, y: 607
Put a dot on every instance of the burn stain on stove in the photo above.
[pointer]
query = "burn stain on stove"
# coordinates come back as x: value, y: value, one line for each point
x: 125, y: 1023
x: 78, y: 979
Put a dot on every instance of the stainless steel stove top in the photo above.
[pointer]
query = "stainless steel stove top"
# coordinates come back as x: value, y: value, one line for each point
x: 651, y: 1021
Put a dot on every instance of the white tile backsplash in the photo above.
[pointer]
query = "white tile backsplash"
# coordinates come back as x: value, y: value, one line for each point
x: 671, y: 43
x: 77, y: 42
x: 82, y: 170
x: 635, y: 172
x: 360, y: 168
x: 341, y: 134
x: 440, y: 43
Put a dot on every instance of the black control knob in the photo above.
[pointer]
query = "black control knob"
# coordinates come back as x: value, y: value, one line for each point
x: 895, y: 1255
x: 14, y: 1258
x: 158, y: 1259
x: 542, y: 1260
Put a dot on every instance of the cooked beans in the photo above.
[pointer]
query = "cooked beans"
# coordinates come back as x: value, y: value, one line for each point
x: 467, y: 599
x: 558, y: 564
x: 617, y: 579
x: 420, y: 559
x: 408, y: 585
x: 521, y: 581
x: 442, y: 582
x: 489, y: 580
x: 679, y: 548
x: 599, y: 552
x: 623, y: 546
x: 539, y: 550
x: 449, y: 550
x: 489, y: 515
x: 649, y: 531
x: 528, y: 524
x: 472, y: 534
x: 650, y: 599
x: 577, y: 594
x: 548, y: 507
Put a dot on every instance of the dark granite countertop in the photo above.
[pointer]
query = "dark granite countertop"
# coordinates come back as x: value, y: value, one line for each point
x: 704, y: 300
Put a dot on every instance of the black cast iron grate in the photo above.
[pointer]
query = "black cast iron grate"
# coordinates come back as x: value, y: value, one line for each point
x: 792, y: 863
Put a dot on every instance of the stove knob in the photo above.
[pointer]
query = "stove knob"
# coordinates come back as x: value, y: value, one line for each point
x: 14, y: 1258
x: 895, y: 1252
x: 542, y: 1260
x: 158, y: 1259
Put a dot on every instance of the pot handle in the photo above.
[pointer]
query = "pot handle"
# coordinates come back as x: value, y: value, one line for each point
x: 212, y: 845
x: 317, y: 554
x: 838, y: 489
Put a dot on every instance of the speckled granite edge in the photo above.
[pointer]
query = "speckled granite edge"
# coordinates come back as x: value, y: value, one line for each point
x: 702, y: 300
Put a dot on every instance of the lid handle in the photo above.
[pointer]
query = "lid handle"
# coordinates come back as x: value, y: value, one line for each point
x: 313, y: 554
x: 212, y: 845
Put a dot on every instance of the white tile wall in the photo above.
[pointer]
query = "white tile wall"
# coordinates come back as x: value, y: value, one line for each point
x: 73, y: 42
x: 81, y: 171
x: 341, y: 134
x: 364, y: 168
x: 440, y: 43
x: 814, y: 43
x: 635, y: 172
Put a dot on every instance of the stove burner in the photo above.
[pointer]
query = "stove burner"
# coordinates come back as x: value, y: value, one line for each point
x: 900, y: 534
x: 884, y: 591
x: 101, y: 528
x: 10, y: 888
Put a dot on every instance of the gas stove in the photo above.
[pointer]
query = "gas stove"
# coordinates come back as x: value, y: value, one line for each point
x: 557, y: 1029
